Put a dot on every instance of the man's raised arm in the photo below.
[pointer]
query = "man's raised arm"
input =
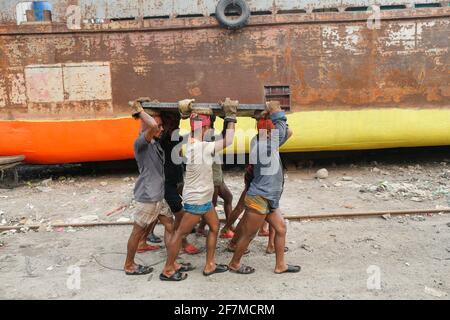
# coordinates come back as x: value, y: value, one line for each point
x: 230, y: 110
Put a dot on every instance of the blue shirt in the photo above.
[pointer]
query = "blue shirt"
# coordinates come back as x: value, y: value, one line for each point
x: 268, y: 175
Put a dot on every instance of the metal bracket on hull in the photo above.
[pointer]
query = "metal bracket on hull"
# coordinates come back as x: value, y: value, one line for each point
x: 9, y: 177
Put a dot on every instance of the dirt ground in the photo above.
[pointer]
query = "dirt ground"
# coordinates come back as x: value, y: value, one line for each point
x: 396, y: 258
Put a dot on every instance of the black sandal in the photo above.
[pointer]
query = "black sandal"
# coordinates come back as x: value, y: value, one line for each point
x: 232, y: 250
x: 154, y: 238
x: 185, y: 267
x: 219, y: 269
x: 177, y: 276
x: 286, y: 249
x: 291, y: 269
x: 243, y: 269
x: 140, y: 270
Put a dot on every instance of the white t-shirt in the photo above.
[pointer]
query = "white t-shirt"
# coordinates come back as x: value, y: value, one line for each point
x: 198, y: 182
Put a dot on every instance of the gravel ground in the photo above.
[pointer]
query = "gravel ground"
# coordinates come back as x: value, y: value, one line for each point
x: 398, y: 258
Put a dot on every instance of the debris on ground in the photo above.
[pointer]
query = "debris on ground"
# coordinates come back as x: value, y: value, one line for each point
x: 44, y: 189
x: 306, y: 247
x: 322, y: 173
x: 46, y: 182
x: 417, y: 192
x: 434, y: 292
x: 418, y: 218
x: 386, y: 216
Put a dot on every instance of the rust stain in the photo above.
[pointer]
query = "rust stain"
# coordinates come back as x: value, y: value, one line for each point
x: 329, y: 65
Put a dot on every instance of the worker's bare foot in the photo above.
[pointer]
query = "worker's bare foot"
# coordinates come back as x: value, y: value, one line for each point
x: 270, y: 250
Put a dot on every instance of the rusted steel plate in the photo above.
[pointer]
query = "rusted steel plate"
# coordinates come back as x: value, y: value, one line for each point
x: 326, y: 63
x: 120, y: 9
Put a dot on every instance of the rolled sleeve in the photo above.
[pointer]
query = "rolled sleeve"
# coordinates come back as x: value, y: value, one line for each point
x: 280, y: 121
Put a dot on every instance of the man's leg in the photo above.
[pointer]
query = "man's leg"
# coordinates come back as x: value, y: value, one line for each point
x: 151, y: 237
x: 265, y: 230
x: 143, y: 245
x: 227, y: 197
x: 248, y: 231
x: 187, y: 223
x: 188, y: 248
x: 168, y: 224
x: 212, y: 220
x: 133, y: 241
x: 201, y: 228
x: 276, y: 221
x: 271, y: 242
x: 237, y: 232
x: 215, y: 196
x: 240, y: 207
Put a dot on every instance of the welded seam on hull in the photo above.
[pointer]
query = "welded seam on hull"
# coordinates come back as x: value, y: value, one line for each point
x: 317, y: 19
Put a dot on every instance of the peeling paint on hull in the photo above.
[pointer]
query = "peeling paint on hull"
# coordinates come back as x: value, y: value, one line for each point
x: 332, y: 62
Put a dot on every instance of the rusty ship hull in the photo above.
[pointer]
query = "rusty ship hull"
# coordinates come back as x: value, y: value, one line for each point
x: 64, y: 92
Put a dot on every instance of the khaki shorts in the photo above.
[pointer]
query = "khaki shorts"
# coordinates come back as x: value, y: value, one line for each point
x: 146, y: 213
x: 217, y: 174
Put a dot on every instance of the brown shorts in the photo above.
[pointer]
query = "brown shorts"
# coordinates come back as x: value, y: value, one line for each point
x: 146, y: 213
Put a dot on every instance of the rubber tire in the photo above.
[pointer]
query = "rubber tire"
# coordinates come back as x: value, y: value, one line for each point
x: 230, y: 24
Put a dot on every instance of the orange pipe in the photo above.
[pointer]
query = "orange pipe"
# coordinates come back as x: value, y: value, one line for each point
x: 53, y: 142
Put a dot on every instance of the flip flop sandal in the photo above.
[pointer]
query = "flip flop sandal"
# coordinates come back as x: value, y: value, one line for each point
x: 201, y: 233
x: 286, y: 249
x: 243, y: 269
x: 220, y: 268
x: 291, y: 269
x: 232, y: 250
x: 154, y: 239
x: 185, y: 267
x: 191, y: 249
x: 227, y: 235
x: 148, y: 248
x: 140, y: 270
x: 177, y: 276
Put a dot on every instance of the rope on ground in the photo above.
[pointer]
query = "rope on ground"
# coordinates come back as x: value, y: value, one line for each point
x: 96, y: 256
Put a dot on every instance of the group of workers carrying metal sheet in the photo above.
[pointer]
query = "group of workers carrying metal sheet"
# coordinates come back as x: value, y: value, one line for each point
x: 183, y: 196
